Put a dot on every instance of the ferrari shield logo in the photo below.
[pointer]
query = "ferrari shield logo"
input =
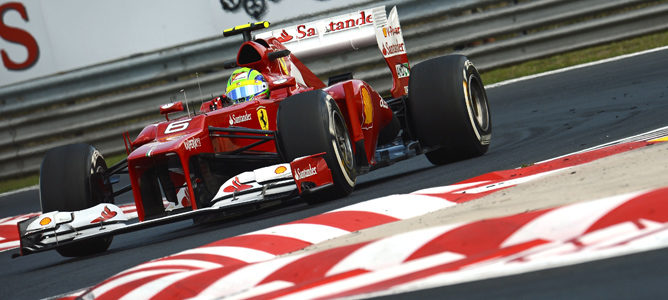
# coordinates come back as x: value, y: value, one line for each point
x: 263, y: 118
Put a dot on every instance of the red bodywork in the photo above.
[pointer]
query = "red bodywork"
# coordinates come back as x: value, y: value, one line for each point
x: 171, y: 145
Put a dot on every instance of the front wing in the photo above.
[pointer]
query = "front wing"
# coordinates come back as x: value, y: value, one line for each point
x: 278, y: 182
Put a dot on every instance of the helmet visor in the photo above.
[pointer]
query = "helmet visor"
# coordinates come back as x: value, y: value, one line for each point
x: 246, y: 91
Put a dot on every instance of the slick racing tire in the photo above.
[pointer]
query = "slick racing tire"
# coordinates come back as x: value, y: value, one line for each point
x: 72, y: 178
x: 311, y: 123
x: 448, y: 109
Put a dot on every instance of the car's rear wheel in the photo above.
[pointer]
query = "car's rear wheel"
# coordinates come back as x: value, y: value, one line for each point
x: 72, y: 178
x: 311, y: 123
x: 448, y: 109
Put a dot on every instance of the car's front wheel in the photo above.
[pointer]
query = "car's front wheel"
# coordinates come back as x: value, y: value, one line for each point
x: 311, y: 123
x: 72, y: 177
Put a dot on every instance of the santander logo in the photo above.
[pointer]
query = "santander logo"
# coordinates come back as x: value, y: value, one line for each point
x: 285, y: 37
x: 308, y: 172
x: 105, y: 215
x: 305, y: 31
x: 349, y: 23
x: 240, y: 119
x: 236, y: 186
x: 393, y: 49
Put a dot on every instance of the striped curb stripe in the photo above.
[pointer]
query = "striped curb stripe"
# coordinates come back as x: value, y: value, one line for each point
x: 266, y: 244
x: 617, y: 224
x: 230, y: 270
x: 9, y: 238
x: 611, y: 235
x: 485, y: 184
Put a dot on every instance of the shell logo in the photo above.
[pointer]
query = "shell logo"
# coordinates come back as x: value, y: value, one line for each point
x: 367, y: 112
x: 280, y: 170
x: 45, y: 221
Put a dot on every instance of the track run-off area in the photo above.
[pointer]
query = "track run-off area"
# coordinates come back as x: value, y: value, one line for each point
x: 544, y: 213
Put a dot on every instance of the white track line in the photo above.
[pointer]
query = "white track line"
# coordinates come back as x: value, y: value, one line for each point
x: 30, y: 188
x: 656, y: 133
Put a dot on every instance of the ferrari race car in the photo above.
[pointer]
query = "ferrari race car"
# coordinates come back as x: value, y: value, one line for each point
x: 301, y: 140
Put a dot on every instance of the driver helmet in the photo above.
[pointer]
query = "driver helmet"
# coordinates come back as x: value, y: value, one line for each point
x: 246, y: 84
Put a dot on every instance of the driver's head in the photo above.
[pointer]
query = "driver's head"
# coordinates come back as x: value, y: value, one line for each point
x: 246, y: 84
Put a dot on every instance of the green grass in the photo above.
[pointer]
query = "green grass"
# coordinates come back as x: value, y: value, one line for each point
x: 31, y: 180
x: 17, y: 183
x: 497, y: 75
x: 112, y: 159
x: 576, y: 57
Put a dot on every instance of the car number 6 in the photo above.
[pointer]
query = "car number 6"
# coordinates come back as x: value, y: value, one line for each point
x: 177, y: 126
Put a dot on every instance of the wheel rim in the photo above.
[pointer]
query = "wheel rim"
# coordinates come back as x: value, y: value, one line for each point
x: 99, y: 185
x: 343, y: 142
x: 478, y: 104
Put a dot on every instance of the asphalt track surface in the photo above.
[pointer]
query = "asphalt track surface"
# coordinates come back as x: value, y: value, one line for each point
x: 533, y: 120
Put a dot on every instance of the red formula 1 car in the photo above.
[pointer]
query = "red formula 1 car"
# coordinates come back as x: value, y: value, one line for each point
x: 302, y: 138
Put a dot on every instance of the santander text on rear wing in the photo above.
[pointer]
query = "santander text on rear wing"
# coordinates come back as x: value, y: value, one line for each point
x: 349, y: 32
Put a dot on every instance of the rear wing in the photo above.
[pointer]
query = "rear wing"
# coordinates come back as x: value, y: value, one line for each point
x: 350, y: 32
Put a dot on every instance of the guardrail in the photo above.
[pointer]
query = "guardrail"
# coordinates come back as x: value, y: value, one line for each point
x: 96, y: 104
